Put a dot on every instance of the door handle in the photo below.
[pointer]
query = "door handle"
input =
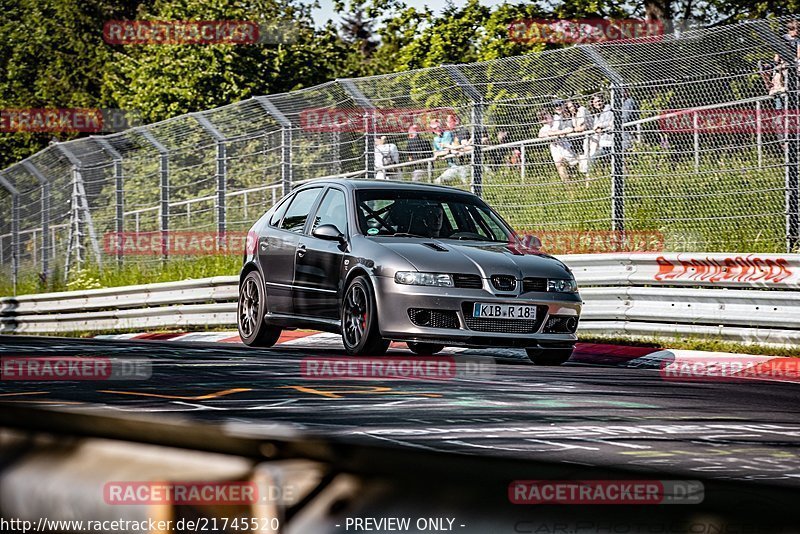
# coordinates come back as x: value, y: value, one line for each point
x: 263, y: 245
x: 301, y: 250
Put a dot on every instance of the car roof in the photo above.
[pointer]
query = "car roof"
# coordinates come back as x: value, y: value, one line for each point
x: 361, y: 183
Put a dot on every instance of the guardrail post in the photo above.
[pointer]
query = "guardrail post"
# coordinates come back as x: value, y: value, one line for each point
x: 164, y: 186
x: 617, y: 152
x: 119, y: 196
x: 44, y: 184
x: 80, y: 206
x: 369, y: 123
x: 286, y: 141
x: 222, y: 171
x: 14, y: 229
x: 476, y: 126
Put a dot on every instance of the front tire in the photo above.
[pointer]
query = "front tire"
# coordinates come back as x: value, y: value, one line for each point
x: 549, y: 356
x: 360, y: 333
x: 424, y: 349
x: 250, y: 311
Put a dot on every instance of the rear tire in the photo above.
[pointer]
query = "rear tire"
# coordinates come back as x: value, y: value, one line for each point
x: 424, y: 349
x: 360, y: 333
x: 549, y: 356
x: 250, y: 311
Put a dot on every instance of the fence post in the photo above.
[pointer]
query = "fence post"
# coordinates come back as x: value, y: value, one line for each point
x: 696, y: 130
x: 791, y: 160
x: 369, y: 123
x: 286, y: 141
x: 164, y: 187
x: 617, y: 152
x: 81, y: 206
x: 759, y: 135
x: 476, y: 127
x: 222, y: 174
x: 44, y: 184
x: 14, y: 229
x: 119, y: 196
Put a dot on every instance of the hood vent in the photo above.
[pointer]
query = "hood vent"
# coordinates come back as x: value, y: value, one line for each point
x: 436, y: 247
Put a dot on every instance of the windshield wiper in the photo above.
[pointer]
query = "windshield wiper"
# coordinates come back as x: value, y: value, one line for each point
x: 406, y: 234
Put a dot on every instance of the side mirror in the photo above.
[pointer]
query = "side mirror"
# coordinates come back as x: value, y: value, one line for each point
x: 328, y: 232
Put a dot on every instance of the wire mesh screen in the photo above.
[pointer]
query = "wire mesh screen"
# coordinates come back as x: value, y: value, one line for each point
x: 691, y: 137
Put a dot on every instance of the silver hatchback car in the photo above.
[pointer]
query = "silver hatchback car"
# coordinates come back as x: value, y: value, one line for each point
x: 377, y: 261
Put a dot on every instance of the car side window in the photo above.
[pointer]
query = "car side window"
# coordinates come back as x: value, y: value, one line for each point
x: 281, y: 209
x: 297, y: 212
x: 332, y: 210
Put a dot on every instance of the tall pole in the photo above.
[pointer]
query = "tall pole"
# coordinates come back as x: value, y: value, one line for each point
x: 44, y: 185
x: 14, y: 229
x: 286, y: 141
x: 164, y: 187
x: 364, y: 103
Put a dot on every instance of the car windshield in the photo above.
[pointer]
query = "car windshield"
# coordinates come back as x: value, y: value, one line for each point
x: 415, y: 213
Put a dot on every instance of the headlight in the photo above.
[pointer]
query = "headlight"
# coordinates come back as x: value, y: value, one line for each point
x: 423, y: 279
x: 563, y: 286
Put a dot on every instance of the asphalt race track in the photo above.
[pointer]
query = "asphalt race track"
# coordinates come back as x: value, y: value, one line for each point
x: 575, y: 414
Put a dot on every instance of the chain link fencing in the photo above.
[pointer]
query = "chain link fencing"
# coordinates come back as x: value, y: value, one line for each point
x: 692, y: 137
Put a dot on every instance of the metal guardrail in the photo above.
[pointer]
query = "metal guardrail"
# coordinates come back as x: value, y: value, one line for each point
x: 746, y: 298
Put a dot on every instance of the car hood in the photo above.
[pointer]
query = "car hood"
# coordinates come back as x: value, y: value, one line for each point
x: 484, y: 259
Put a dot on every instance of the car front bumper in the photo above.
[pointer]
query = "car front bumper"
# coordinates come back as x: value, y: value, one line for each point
x: 395, y: 300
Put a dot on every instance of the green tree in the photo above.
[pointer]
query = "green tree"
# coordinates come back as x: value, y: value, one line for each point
x: 52, y: 55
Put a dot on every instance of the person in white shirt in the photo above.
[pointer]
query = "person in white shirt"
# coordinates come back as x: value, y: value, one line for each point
x: 560, y: 148
x: 385, y: 154
x: 601, y: 141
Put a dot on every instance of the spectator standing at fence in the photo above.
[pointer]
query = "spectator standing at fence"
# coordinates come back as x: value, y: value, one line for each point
x: 630, y: 112
x: 774, y: 76
x: 417, y: 148
x: 385, y: 154
x: 580, y: 121
x: 443, y: 146
x: 793, y: 36
x: 601, y: 141
x: 442, y: 141
x: 560, y: 148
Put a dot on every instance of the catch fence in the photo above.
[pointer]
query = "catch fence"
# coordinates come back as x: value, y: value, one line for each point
x: 689, y: 144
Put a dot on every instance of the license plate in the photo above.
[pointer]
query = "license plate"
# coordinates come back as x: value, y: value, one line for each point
x: 483, y: 310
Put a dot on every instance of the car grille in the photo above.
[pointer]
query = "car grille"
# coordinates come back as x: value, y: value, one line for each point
x: 561, y: 324
x: 534, y: 284
x: 502, y: 282
x: 433, y: 318
x: 506, y: 326
x: 467, y: 281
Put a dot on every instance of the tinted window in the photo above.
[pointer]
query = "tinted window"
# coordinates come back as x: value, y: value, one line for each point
x: 409, y: 212
x: 279, y: 211
x: 332, y: 210
x: 297, y: 213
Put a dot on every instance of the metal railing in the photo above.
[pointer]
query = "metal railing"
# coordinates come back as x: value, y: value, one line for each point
x: 744, y: 298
